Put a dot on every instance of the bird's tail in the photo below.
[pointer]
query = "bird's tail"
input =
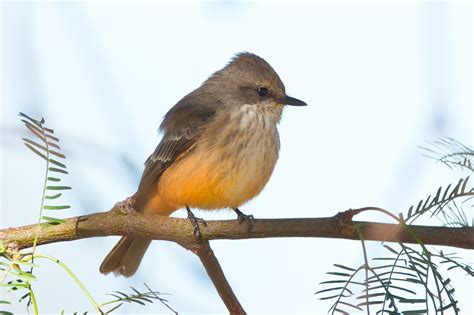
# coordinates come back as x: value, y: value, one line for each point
x: 125, y: 257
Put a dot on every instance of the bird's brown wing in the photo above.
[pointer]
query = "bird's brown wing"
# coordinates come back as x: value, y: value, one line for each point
x: 181, y: 127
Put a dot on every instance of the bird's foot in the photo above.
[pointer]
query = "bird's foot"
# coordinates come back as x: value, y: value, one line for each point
x: 243, y: 217
x: 195, y: 222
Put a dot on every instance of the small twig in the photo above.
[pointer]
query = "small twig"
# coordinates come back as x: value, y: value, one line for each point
x: 214, y: 270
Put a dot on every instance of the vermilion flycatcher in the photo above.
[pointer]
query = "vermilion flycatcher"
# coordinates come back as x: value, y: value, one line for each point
x: 220, y: 145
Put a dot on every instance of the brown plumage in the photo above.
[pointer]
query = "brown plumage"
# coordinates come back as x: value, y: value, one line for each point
x: 220, y: 145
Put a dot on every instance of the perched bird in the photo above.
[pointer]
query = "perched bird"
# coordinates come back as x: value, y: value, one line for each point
x: 219, y: 147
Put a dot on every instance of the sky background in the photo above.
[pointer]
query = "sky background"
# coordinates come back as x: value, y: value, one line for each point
x: 380, y: 80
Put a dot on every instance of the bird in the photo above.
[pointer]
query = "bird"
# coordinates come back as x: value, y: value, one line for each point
x: 219, y: 147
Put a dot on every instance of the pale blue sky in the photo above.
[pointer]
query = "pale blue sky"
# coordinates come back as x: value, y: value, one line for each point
x: 380, y: 80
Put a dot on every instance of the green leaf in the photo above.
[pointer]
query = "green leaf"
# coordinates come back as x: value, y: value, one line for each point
x: 56, y: 207
x: 48, y: 130
x: 54, y: 145
x: 446, y: 282
x: 36, y: 122
x: 390, y: 249
x: 417, y: 281
x: 54, y: 179
x: 57, y: 163
x: 114, y: 308
x: 52, y: 220
x: 454, y: 192
x: 58, y: 187
x: 388, y: 273
x: 44, y: 148
x: 402, y: 289
x: 58, y: 170
x: 388, y: 258
x: 446, y: 192
x: 370, y: 303
x: 426, y: 202
x: 450, y: 305
x: 344, y: 267
x: 463, y: 188
x: 412, y: 301
x: 36, y: 130
x: 332, y: 289
x: 53, y: 196
x: 341, y: 274
x: 418, y: 208
x: 330, y: 297
x: 351, y: 305
x: 365, y: 296
x: 52, y: 137
x: 342, y: 281
x: 41, y: 155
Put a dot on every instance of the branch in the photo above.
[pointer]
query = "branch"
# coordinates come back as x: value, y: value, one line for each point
x: 178, y: 230
x: 120, y: 221
x: 214, y: 270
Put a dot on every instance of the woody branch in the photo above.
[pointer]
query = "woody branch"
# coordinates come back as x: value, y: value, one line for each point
x: 120, y: 221
x: 178, y: 230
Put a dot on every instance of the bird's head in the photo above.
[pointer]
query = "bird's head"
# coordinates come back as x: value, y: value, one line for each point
x: 249, y: 80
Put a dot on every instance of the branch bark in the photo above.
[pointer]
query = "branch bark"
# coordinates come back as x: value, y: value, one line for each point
x: 122, y: 222
x: 181, y: 231
x: 214, y: 270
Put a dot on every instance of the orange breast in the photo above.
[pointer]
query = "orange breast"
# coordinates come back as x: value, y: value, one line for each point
x: 220, y: 173
x: 213, y: 179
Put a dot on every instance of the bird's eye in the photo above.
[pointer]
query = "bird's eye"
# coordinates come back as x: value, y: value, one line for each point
x: 262, y: 91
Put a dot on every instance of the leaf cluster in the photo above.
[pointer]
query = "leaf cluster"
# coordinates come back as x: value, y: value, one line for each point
x: 406, y: 280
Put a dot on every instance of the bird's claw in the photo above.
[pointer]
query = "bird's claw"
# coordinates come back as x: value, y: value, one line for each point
x: 243, y: 217
x: 195, y: 223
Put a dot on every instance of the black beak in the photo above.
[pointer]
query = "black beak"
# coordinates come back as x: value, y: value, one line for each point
x: 288, y: 100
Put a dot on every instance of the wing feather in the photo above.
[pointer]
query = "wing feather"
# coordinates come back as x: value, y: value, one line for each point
x: 181, y: 127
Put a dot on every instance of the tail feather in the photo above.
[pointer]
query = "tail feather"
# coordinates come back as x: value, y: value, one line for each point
x: 127, y: 254
x: 125, y: 257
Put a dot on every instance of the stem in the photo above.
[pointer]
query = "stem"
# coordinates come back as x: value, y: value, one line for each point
x: 427, y: 291
x: 377, y: 209
x: 433, y: 271
x: 71, y: 274
x: 349, y: 281
x: 366, y: 267
x: 389, y: 281
x: 45, y: 183
x: 33, y: 299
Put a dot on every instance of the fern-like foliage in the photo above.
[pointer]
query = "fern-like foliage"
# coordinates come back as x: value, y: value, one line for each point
x: 14, y: 278
x: 13, y: 264
x: 444, y: 204
x: 137, y: 297
x: 45, y: 145
x: 451, y: 153
x: 394, y: 283
x: 407, y: 280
